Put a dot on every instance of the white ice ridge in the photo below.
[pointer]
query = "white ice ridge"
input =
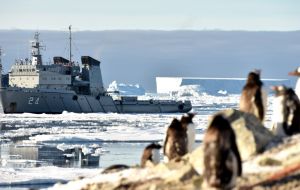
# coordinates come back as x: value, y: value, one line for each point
x: 212, y: 86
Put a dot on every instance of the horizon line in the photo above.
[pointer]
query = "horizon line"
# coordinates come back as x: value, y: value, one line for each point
x: 161, y: 30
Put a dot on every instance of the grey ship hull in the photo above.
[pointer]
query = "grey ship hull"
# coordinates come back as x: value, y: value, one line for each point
x: 21, y: 100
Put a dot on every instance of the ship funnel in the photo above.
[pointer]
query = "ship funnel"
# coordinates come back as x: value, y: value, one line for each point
x: 60, y: 61
x: 92, y: 73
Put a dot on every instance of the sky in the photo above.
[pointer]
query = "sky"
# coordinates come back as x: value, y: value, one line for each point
x: 253, y: 15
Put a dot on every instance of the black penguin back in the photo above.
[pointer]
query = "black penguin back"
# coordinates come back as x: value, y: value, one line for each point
x: 147, y: 154
x: 176, y: 140
x: 251, y: 97
x: 219, y: 149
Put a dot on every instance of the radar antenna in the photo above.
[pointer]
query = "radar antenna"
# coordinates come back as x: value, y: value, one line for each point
x: 35, y: 50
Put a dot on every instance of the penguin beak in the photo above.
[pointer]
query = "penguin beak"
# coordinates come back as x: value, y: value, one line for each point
x: 274, y: 88
x: 294, y: 73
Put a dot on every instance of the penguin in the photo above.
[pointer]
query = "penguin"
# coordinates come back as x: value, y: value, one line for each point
x: 286, y: 112
x: 151, y: 153
x: 222, y: 161
x: 175, y: 144
x: 254, y: 98
x: 187, y: 122
x: 297, y: 74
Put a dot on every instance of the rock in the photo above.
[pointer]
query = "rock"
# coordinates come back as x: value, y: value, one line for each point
x: 196, y: 159
x: 269, y: 162
x: 183, y: 174
x: 287, y: 152
x: 252, y: 136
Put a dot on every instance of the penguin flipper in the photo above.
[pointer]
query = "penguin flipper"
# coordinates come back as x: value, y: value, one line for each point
x: 259, y: 103
x: 236, y: 153
x: 165, y: 144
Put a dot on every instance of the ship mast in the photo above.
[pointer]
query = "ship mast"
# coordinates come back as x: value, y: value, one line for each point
x: 0, y: 60
x: 35, y: 52
x: 70, y: 38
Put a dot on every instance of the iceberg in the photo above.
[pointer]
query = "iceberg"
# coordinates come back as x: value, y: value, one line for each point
x: 210, y: 86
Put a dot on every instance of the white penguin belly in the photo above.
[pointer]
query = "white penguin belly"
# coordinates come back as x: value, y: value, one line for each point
x: 278, y: 109
x: 278, y: 116
x: 297, y: 89
x: 191, y: 133
x: 155, y: 156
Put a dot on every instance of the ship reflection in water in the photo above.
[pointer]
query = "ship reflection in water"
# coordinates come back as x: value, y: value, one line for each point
x: 20, y: 156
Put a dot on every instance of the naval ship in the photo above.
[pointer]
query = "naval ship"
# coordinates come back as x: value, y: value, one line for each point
x: 34, y: 87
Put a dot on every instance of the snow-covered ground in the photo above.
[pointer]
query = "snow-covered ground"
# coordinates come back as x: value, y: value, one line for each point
x: 43, y: 149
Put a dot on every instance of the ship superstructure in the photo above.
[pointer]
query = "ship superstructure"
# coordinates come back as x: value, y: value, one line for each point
x: 65, y: 86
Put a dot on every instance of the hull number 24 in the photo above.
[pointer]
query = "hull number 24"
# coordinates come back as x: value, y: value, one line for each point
x: 33, y: 100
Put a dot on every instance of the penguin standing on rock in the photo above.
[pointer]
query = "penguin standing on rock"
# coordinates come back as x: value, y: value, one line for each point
x: 187, y: 122
x: 254, y: 98
x: 222, y: 161
x: 151, y: 153
x: 175, y: 144
x: 286, y: 112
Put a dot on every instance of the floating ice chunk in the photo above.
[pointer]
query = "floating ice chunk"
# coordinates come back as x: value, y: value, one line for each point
x: 98, y: 152
x: 85, y: 150
x: 223, y: 92
x: 126, y: 89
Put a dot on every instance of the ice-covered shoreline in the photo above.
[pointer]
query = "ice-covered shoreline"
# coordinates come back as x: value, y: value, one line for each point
x: 102, y: 129
x: 41, y: 176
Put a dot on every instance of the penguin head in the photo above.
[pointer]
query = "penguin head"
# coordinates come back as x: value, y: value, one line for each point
x: 151, y: 153
x: 220, y: 121
x: 279, y: 90
x: 296, y: 72
x: 288, y: 93
x: 187, y: 118
x: 292, y: 100
x: 176, y: 124
x: 154, y: 146
x: 219, y: 130
x: 254, y: 78
x: 286, y: 102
